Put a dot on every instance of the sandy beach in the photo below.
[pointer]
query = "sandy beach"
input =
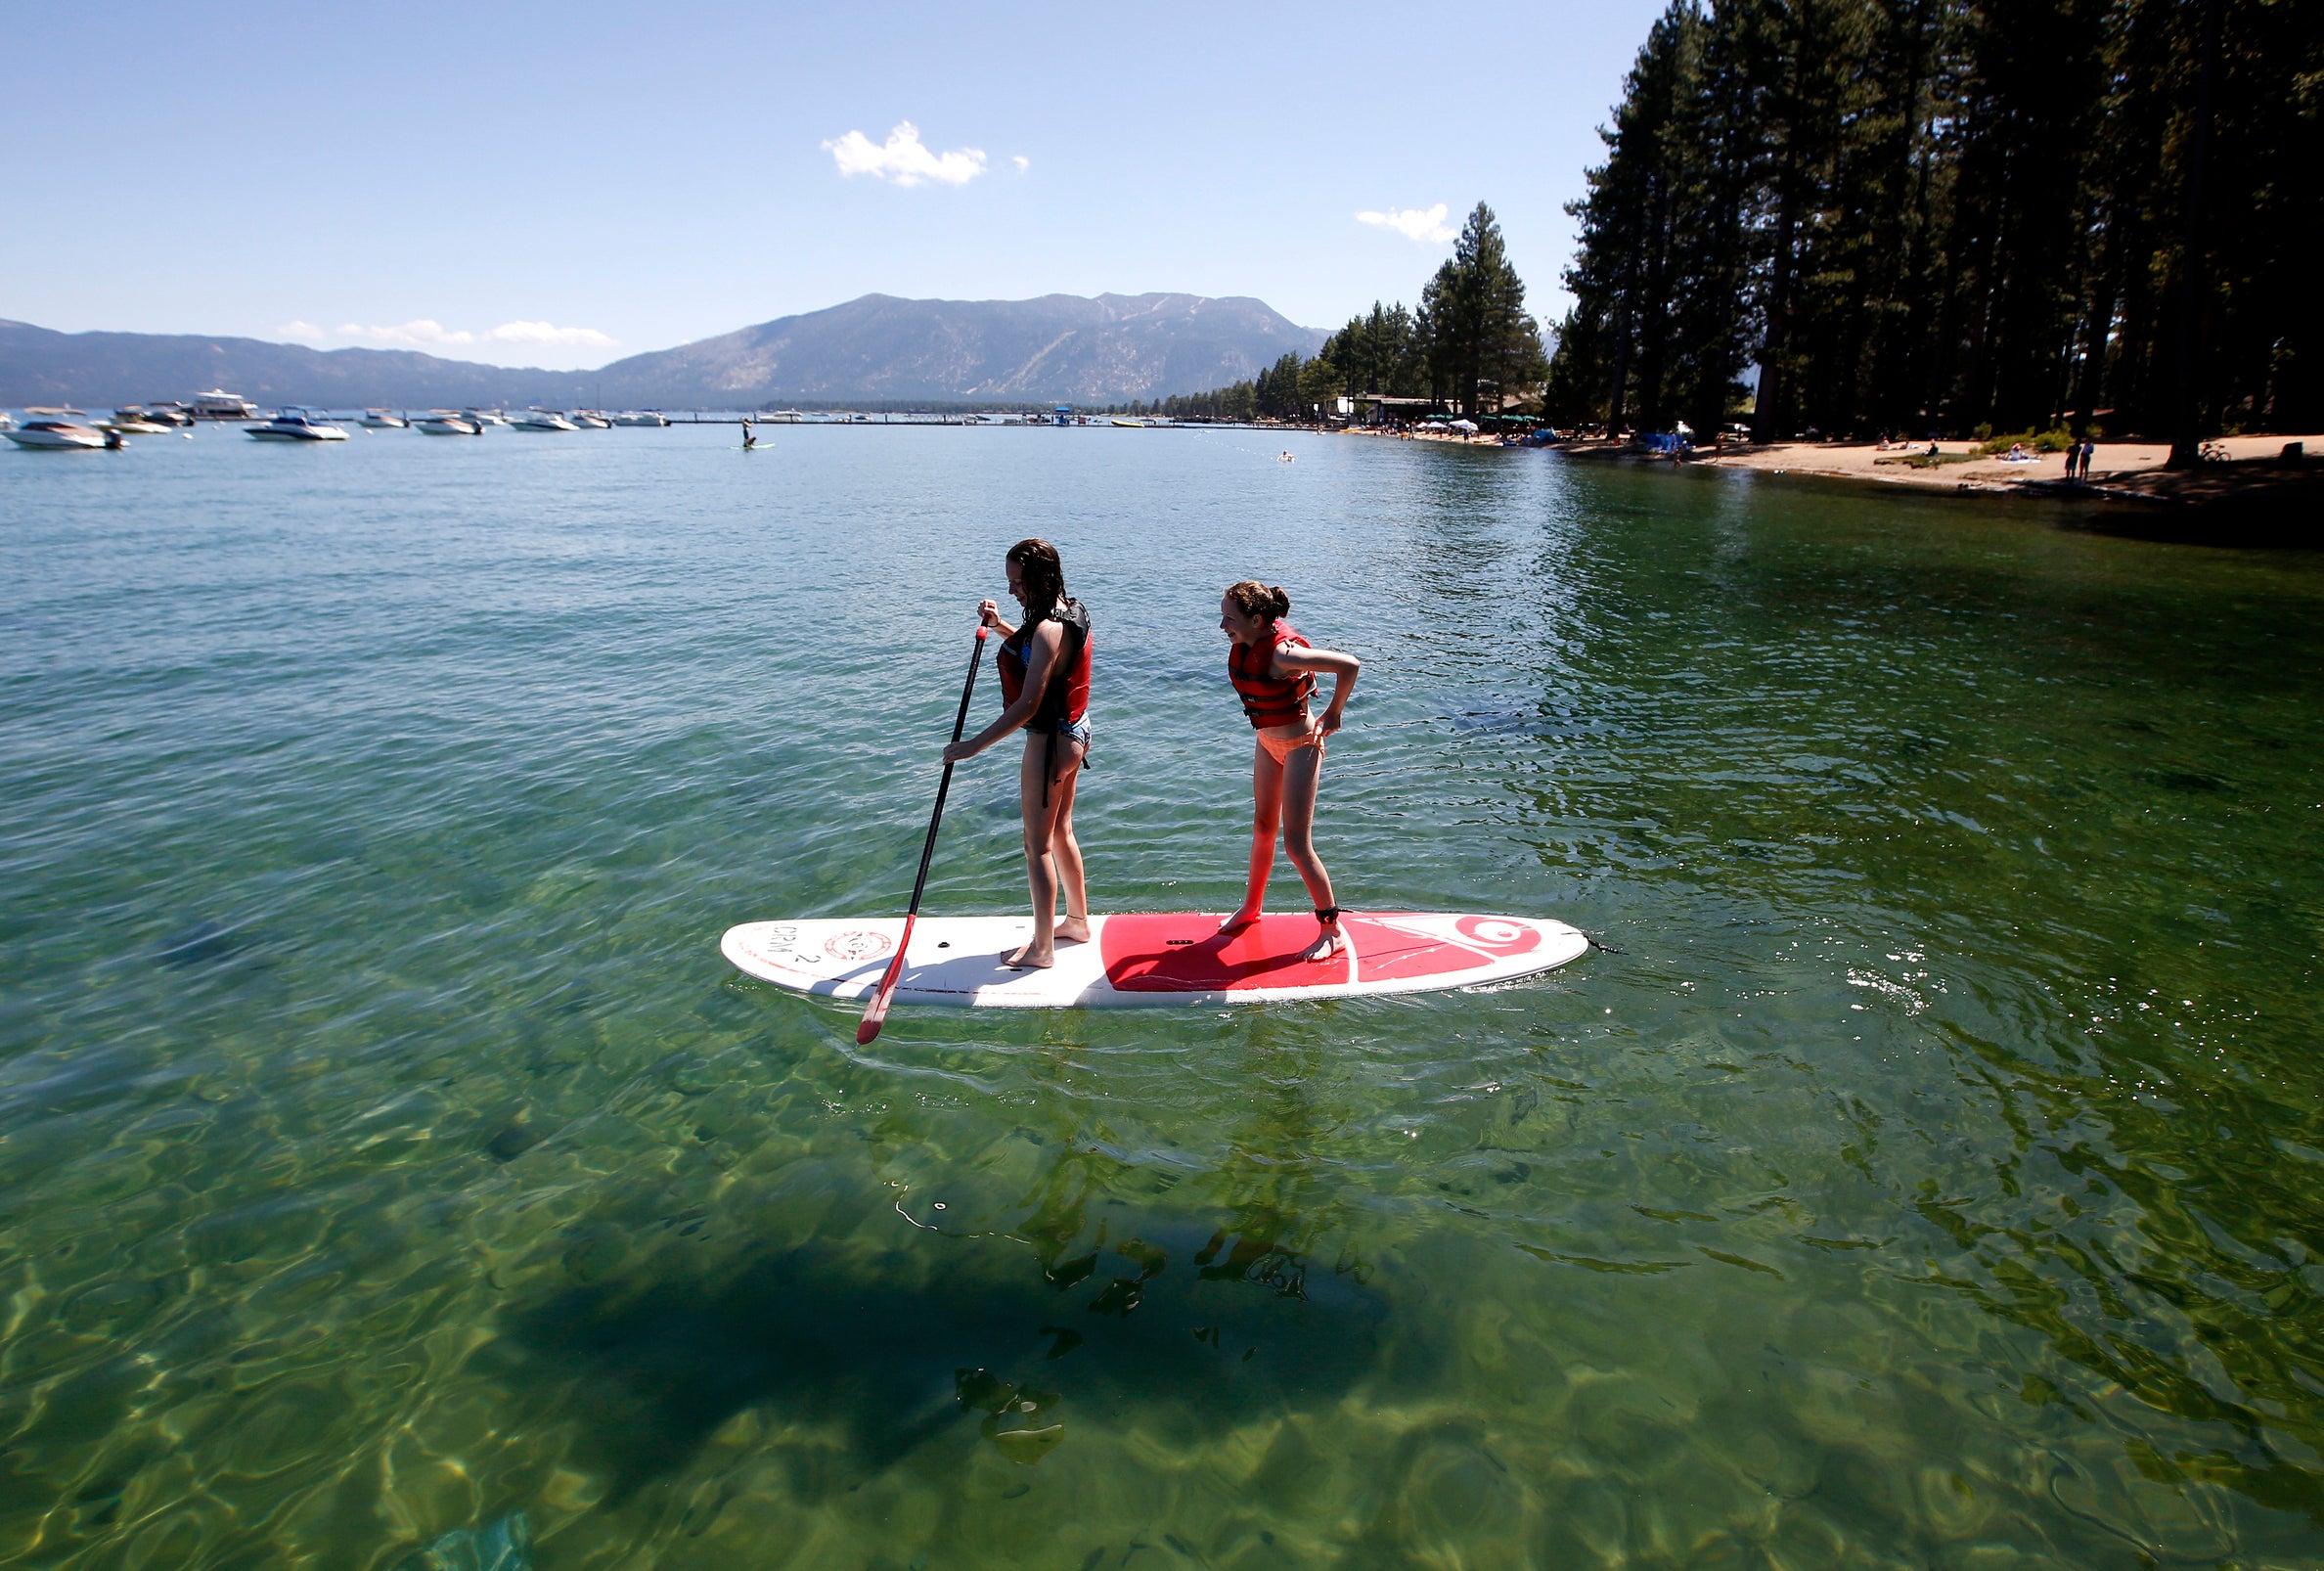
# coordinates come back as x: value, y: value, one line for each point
x: 2115, y: 462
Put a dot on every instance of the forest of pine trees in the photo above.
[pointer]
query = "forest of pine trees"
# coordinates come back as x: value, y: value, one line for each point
x: 1470, y: 346
x: 1915, y: 215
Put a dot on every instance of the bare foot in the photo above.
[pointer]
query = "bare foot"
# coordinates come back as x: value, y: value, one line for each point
x: 1329, y: 944
x: 1029, y: 958
x: 1240, y: 921
x: 1073, y: 931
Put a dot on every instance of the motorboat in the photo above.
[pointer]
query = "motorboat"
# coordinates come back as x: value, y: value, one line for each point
x: 61, y: 435
x: 379, y: 420
x: 129, y: 425
x: 541, y: 419
x: 218, y: 404
x: 485, y: 417
x: 449, y: 426
x: 648, y: 417
x: 160, y: 416
x: 589, y: 419
x: 296, y: 425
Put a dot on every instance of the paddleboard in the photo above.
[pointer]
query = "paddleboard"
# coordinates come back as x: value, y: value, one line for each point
x: 1150, y: 960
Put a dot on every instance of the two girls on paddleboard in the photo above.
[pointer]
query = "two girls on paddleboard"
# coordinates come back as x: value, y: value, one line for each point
x: 1044, y: 685
x: 1044, y: 688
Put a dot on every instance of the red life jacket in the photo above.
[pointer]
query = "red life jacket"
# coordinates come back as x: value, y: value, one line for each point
x: 1068, y: 697
x: 1267, y: 700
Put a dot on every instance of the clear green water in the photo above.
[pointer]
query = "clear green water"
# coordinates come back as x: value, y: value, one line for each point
x: 1931, y: 1174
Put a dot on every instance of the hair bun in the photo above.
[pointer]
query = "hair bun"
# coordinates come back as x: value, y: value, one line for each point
x: 1282, y: 602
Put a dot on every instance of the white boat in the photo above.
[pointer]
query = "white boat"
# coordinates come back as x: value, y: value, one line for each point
x: 588, y: 419
x: 379, y: 420
x: 218, y: 404
x: 134, y: 426
x: 448, y: 426
x: 61, y: 435
x: 162, y: 416
x: 485, y: 417
x: 648, y: 417
x: 296, y: 425
x: 541, y: 419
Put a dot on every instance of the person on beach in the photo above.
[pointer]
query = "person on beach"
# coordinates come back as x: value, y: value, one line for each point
x: 1044, y: 689
x: 1274, y: 670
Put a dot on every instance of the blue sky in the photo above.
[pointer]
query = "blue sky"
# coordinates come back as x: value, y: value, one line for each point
x: 562, y: 185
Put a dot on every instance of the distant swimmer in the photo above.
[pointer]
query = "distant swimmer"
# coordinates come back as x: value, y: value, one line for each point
x: 1286, y: 458
x: 748, y: 440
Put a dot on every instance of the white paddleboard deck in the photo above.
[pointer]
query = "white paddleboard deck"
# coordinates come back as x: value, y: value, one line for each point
x: 1150, y: 960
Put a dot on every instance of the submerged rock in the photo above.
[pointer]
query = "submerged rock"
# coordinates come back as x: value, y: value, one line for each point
x: 502, y: 1545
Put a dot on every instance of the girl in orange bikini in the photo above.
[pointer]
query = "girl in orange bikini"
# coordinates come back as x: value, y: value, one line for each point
x: 1274, y: 670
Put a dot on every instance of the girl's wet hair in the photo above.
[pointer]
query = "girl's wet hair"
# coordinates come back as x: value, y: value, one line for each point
x: 1255, y: 598
x: 1044, y: 574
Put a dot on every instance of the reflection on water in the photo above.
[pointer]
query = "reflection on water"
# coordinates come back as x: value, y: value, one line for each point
x: 392, y: 1172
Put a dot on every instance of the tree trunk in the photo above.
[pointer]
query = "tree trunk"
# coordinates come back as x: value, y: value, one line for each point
x: 2186, y: 449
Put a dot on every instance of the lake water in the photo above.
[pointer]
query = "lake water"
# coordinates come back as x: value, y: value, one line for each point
x: 1928, y: 1172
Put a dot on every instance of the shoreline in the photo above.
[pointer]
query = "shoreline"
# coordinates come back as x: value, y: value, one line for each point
x: 2257, y: 496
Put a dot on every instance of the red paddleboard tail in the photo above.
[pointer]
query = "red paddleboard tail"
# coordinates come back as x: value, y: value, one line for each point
x: 875, y: 1013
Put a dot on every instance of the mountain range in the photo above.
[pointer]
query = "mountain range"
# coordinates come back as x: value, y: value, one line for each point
x: 879, y: 348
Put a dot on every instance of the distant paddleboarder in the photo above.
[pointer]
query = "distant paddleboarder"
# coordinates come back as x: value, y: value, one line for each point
x: 1045, y: 684
x: 750, y: 441
x: 1274, y: 670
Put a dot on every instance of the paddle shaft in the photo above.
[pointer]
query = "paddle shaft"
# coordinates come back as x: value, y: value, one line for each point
x: 875, y: 1014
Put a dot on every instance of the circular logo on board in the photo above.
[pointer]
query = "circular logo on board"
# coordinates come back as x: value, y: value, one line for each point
x: 857, y: 943
x: 1496, y: 932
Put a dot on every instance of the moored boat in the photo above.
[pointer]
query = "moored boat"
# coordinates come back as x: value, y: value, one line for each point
x: 218, y: 404
x: 163, y: 416
x: 641, y: 418
x: 449, y: 426
x: 589, y: 419
x: 541, y: 419
x: 381, y: 419
x: 61, y: 436
x: 295, y: 425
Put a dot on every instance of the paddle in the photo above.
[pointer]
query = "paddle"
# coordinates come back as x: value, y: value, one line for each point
x: 876, y: 1012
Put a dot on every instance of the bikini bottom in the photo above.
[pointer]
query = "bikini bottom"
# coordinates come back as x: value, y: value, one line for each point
x: 1281, y: 743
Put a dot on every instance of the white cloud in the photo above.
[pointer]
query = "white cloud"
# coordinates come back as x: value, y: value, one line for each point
x: 301, y: 330
x: 1022, y: 162
x: 903, y: 161
x: 427, y: 333
x: 1426, y: 225
x: 548, y: 332
x: 419, y: 331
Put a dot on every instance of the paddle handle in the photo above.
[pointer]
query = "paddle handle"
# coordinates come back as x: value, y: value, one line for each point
x: 876, y: 1012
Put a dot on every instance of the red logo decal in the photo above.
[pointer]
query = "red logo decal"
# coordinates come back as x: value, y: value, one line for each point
x: 1499, y: 933
x: 857, y: 943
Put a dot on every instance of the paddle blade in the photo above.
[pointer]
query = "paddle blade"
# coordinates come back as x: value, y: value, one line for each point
x: 876, y: 1012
